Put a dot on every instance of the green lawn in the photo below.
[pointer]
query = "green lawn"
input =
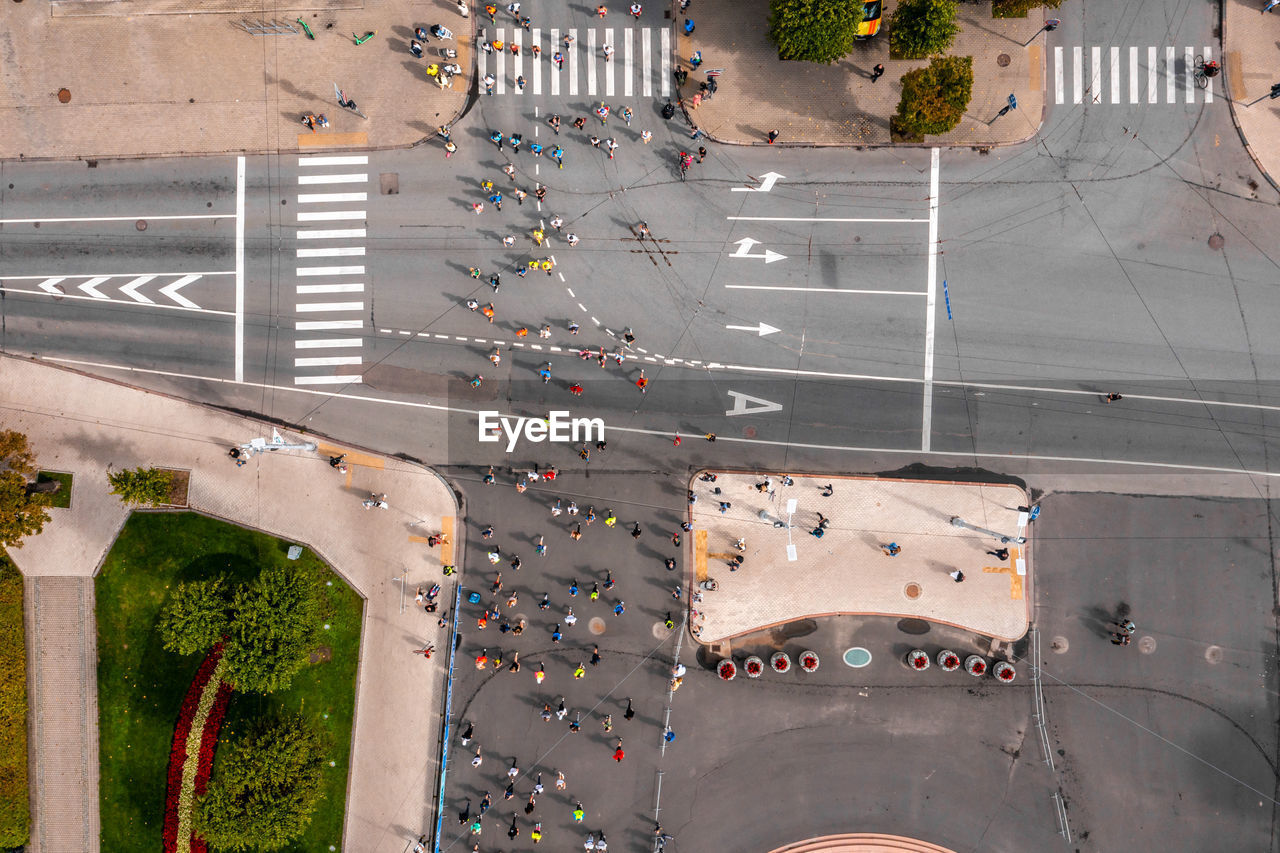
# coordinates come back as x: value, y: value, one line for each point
x: 61, y: 498
x: 15, y: 811
x: 140, y: 685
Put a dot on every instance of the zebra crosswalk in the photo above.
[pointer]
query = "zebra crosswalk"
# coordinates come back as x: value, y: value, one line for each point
x: 640, y: 65
x: 1132, y: 75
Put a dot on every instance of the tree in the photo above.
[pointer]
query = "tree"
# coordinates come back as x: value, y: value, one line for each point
x: 274, y: 625
x: 195, y: 616
x: 814, y: 30
x: 1020, y: 8
x: 920, y: 28
x: 265, y: 786
x: 142, y: 485
x: 934, y: 98
x: 22, y: 513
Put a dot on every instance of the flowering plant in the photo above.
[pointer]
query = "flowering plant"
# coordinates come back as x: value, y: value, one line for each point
x: 195, y: 737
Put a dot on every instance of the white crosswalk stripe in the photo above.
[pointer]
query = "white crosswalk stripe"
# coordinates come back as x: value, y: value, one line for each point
x: 631, y: 69
x: 1101, y: 82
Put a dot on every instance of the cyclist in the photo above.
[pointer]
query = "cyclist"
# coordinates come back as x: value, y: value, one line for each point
x: 686, y: 160
x: 1212, y: 68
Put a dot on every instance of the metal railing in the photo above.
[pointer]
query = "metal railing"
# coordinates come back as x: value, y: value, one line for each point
x: 445, y: 724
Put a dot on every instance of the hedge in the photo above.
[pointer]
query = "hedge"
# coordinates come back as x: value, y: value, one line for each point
x: 15, y: 807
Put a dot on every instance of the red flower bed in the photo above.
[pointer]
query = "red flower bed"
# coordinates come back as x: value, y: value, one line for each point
x: 178, y: 751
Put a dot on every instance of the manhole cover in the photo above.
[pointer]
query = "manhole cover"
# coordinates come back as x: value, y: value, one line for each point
x: 749, y: 432
x: 141, y: 225
x: 660, y: 630
x: 1215, y: 241
x: 1003, y: 60
x: 857, y: 657
x: 596, y: 625
x: 1059, y: 645
x: 1213, y: 654
x: 322, y: 654
x: 64, y: 96
x: 1147, y: 645
x: 912, y: 590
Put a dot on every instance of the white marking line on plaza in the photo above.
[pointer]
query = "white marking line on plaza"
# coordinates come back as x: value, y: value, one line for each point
x: 360, y: 160
x: 1077, y: 68
x: 1133, y: 74
x: 628, y: 62
x: 1208, y: 91
x: 500, y: 63
x: 1115, y: 74
x: 536, y: 34
x: 349, y: 178
x: 820, y: 218
x: 517, y: 58
x: 329, y: 343
x: 1188, y: 71
x: 239, y: 304
x: 1170, y: 80
x: 824, y: 290
x: 1152, y: 72
x: 570, y: 55
x: 340, y: 252
x: 931, y: 302
x: 664, y: 66
x: 330, y: 198
x: 330, y: 215
x: 591, y: 62
x: 47, y: 220
x: 665, y: 434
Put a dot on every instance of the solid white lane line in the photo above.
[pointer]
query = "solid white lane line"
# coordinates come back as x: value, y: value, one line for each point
x: 358, y: 287
x: 309, y: 271
x: 327, y: 380
x: 239, y: 306
x: 320, y: 307
x: 820, y: 219
x: 825, y: 290
x: 46, y: 276
x: 328, y: 343
x: 354, y: 160
x: 336, y: 252
x: 327, y: 325
x: 931, y: 302
x: 330, y: 215
x: 350, y: 178
x: 666, y: 433
x: 329, y: 198
x: 48, y: 220
x: 332, y: 234
x: 327, y: 361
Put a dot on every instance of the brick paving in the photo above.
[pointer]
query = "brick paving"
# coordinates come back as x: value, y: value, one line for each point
x: 845, y: 571
x: 1249, y: 53
x: 84, y: 425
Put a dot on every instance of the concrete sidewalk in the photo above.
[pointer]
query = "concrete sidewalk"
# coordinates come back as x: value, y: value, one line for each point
x: 814, y: 104
x: 138, y: 84
x: 85, y: 426
x: 1249, y: 52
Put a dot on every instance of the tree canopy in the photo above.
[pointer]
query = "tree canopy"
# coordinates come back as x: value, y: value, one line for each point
x: 814, y: 30
x: 265, y: 786
x: 274, y: 625
x: 934, y: 98
x: 195, y: 616
x: 22, y: 513
x: 921, y: 28
x: 148, y: 486
x: 1019, y: 8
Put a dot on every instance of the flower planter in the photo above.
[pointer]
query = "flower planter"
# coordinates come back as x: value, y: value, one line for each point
x: 918, y: 659
x: 948, y: 660
x: 727, y: 669
x: 753, y: 667
x: 1004, y: 672
x: 975, y: 665
x: 809, y: 661
x: 780, y: 662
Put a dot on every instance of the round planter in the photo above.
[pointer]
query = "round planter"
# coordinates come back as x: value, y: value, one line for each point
x: 809, y: 661
x: 975, y: 665
x: 753, y: 667
x: 918, y: 659
x: 780, y: 662
x: 1004, y: 672
x: 948, y: 660
x: 727, y: 670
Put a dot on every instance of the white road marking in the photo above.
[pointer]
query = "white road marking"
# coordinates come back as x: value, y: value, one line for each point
x: 354, y: 160
x: 171, y: 291
x: 1189, y: 74
x: 744, y: 246
x: 761, y: 329
x: 627, y: 68
x: 571, y: 57
x: 314, y: 307
x: 500, y: 63
x: 337, y: 252
x: 1095, y: 81
x: 329, y: 288
x: 1077, y: 81
x: 537, y: 63
x: 332, y: 234
x: 328, y: 343
x: 554, y: 72
x: 1170, y: 81
x: 1058, y: 75
x: 329, y: 198
x: 746, y: 404
x: 591, y: 62
x: 327, y: 325
x: 50, y: 220
x: 91, y: 287
x: 313, y: 271
x: 131, y: 290
x: 517, y: 59
x: 646, y: 63
x: 51, y: 286
x: 1208, y: 92
x: 1133, y: 74
x: 350, y: 178
x: 1152, y: 71
x: 608, y: 65
x: 820, y: 219
x: 664, y: 62
x: 1115, y: 74
x: 330, y: 215
x: 327, y: 380
x: 767, y: 180
x: 327, y: 361
x: 931, y: 301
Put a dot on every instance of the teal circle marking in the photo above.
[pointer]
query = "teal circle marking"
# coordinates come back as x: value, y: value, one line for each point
x: 857, y: 657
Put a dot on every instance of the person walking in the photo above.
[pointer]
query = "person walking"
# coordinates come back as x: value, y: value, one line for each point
x: 957, y: 576
x: 877, y: 72
x: 891, y: 550
x: 773, y: 134
x: 618, y: 754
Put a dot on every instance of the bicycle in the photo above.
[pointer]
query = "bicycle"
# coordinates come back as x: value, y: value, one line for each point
x: 1205, y: 71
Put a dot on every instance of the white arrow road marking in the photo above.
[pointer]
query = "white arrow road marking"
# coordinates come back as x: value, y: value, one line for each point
x: 51, y: 286
x: 767, y: 180
x: 91, y: 287
x: 171, y: 291
x: 131, y: 289
x: 744, y: 246
x: 760, y: 406
x: 761, y: 329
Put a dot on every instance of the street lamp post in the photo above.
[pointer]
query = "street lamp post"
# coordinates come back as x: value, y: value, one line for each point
x: 1049, y: 26
x: 957, y: 521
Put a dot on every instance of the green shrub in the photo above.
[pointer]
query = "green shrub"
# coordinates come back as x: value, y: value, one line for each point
x: 921, y: 28
x: 195, y: 616
x: 934, y: 98
x: 814, y: 30
x: 142, y: 485
x: 1020, y: 8
x: 274, y: 626
x: 15, y: 811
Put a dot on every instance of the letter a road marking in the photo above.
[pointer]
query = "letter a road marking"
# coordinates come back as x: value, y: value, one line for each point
x: 759, y: 405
